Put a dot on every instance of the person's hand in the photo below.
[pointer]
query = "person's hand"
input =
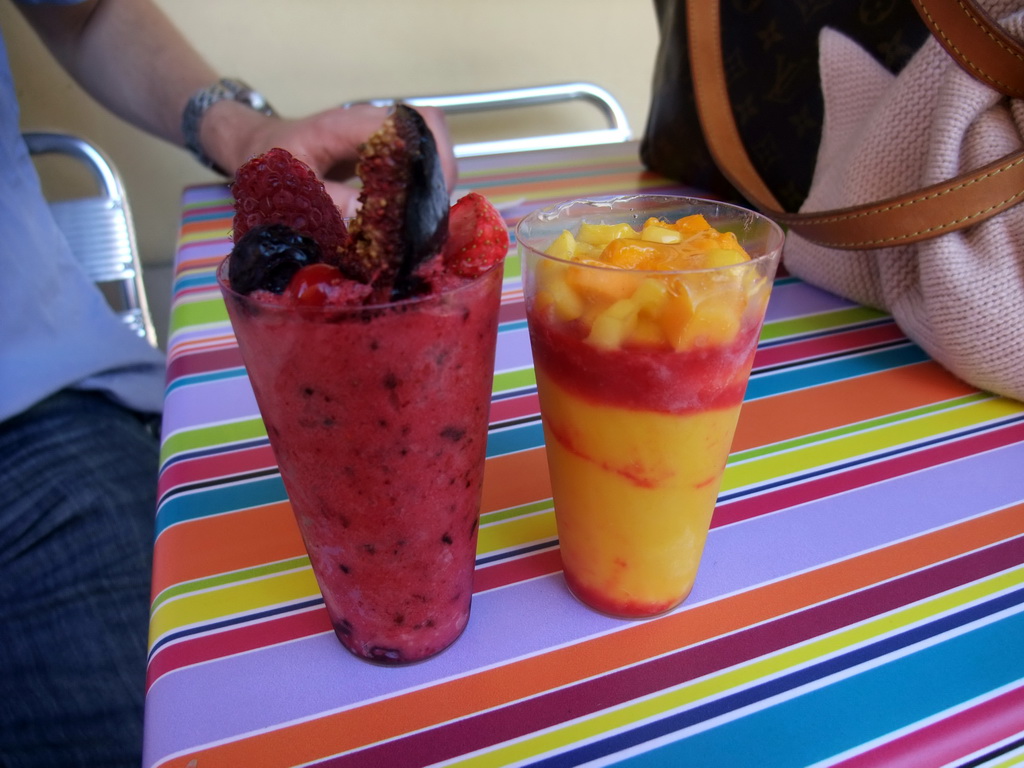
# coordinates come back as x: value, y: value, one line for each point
x: 328, y: 142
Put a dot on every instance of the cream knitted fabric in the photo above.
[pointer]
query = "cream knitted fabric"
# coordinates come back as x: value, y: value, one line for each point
x: 960, y: 296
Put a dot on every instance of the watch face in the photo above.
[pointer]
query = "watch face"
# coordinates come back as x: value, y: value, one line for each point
x: 257, y: 102
x: 241, y: 92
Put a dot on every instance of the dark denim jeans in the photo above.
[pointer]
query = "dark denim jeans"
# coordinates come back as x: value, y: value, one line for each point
x: 77, y: 504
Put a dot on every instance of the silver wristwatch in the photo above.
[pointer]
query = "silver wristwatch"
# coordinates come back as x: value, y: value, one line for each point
x: 204, y: 98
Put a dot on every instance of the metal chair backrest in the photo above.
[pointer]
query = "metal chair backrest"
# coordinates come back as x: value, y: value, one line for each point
x: 99, y: 229
x: 618, y: 125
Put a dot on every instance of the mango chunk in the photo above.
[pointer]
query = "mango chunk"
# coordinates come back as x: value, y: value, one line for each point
x: 614, y: 325
x: 692, y: 224
x: 725, y: 257
x: 564, y: 246
x: 549, y: 272
x: 647, y: 333
x: 651, y: 296
x: 657, y: 233
x: 561, y: 300
x: 715, y: 321
x: 602, y: 234
x: 675, y: 318
x: 642, y: 254
x: 595, y: 283
x: 587, y: 251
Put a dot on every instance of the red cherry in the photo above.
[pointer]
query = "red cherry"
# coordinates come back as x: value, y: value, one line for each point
x: 317, y: 285
x: 312, y: 285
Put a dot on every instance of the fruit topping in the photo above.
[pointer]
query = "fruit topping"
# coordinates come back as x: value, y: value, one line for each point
x: 404, y: 213
x: 277, y: 188
x: 477, y: 236
x: 677, y: 284
x: 268, y: 256
x: 291, y: 239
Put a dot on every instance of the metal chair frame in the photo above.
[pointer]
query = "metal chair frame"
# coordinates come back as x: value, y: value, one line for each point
x: 99, y: 229
x: 618, y: 129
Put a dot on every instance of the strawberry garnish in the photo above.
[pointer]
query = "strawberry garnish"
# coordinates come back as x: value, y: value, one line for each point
x: 477, y: 236
x: 278, y: 188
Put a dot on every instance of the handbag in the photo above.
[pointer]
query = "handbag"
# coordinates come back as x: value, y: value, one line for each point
x: 770, y: 50
x: 913, y: 201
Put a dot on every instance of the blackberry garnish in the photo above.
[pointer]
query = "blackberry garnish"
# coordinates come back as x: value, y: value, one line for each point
x: 268, y: 256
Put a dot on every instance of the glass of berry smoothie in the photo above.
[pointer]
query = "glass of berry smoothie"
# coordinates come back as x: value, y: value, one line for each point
x: 378, y: 416
x: 644, y: 314
x: 370, y: 347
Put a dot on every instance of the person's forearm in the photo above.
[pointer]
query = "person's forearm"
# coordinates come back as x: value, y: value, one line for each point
x: 129, y: 57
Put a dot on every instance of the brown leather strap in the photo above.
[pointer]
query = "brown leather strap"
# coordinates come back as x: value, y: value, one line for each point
x: 977, y: 43
x: 919, y: 215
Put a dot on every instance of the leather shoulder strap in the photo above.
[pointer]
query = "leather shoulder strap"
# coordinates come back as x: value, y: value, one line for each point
x: 922, y: 214
x: 977, y: 43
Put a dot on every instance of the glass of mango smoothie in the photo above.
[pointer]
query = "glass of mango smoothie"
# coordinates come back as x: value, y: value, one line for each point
x: 644, y: 314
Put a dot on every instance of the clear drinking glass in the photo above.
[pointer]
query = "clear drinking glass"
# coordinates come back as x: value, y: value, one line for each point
x: 641, y: 374
x: 378, y: 418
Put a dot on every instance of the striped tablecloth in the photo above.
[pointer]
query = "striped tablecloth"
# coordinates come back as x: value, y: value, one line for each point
x: 859, y: 602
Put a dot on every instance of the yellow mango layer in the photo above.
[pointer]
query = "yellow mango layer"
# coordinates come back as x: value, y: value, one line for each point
x: 634, y: 493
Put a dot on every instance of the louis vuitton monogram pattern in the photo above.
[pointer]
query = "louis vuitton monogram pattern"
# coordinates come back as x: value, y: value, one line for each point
x: 771, y: 61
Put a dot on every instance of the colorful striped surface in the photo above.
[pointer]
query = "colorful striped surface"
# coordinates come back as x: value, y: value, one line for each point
x: 860, y: 602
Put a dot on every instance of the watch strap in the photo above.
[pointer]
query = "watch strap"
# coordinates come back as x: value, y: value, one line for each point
x: 226, y: 88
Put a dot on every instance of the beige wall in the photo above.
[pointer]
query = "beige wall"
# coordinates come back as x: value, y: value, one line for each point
x: 308, y: 54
